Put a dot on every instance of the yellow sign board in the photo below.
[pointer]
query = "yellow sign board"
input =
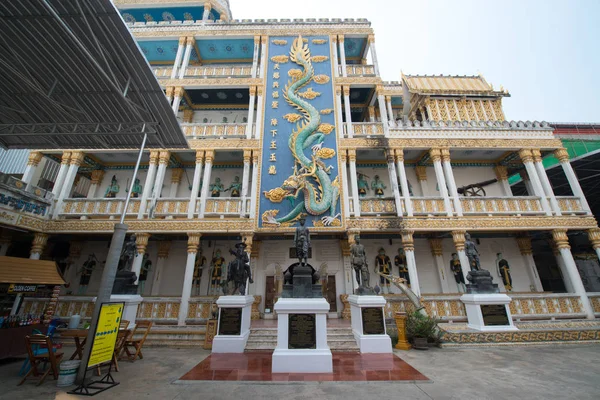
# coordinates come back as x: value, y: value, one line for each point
x: 106, y: 334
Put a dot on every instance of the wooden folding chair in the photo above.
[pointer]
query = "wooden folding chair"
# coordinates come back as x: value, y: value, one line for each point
x: 36, y: 358
x: 121, y: 338
x: 133, y: 347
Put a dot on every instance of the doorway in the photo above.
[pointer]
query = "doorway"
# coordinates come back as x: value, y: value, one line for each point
x: 331, y: 293
x: 270, y: 293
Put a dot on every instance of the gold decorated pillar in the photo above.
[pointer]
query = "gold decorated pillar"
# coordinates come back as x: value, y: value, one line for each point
x: 342, y: 55
x: 502, y: 176
x: 188, y: 115
x: 189, y: 45
x: 421, y: 172
x: 149, y: 183
x: 459, y: 243
x: 345, y: 195
x: 244, y: 209
x: 255, y: 56
x: 348, y: 112
x: 207, y: 10
x: 382, y: 110
x: 62, y: 173
x: 188, y: 278
x: 76, y: 160
x: 438, y: 256
x: 251, y: 106
x: 562, y: 243
x: 163, y: 162
x: 96, y: 181
x: 141, y: 243
x: 400, y: 319
x: 594, y: 237
x: 164, y: 246
x: 254, y: 189
x: 334, y: 56
x: 177, y: 96
x: 32, y: 164
x: 527, y: 159
x: 563, y: 157
x: 176, y: 64
x: 37, y: 246
x: 209, y: 156
x: 436, y: 158
x: 196, y: 183
x: 390, y: 111
x: 524, y: 243
x: 399, y: 158
x: 354, y: 182
x: 176, y: 175
x: 545, y: 182
x: 449, y: 175
x: 408, y: 244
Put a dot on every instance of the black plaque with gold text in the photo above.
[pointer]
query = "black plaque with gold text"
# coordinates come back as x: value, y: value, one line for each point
x: 494, y: 314
x: 230, y: 322
x: 302, y: 331
x: 372, y: 319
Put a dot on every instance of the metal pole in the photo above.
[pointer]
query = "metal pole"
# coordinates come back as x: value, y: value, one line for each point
x: 109, y: 273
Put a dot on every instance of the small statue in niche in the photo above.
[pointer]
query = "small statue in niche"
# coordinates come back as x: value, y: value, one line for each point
x: 113, y: 189
x: 136, y: 191
x: 472, y: 253
x: 378, y: 187
x: 400, y: 262
x: 302, y: 241
x: 410, y: 189
x: 503, y: 270
x: 217, y: 272
x: 456, y: 269
x: 235, y: 187
x: 383, y: 266
x: 144, y: 270
x: 198, y: 266
x: 128, y: 253
x: 216, y: 188
x: 359, y: 263
x: 86, y: 273
x: 363, y: 185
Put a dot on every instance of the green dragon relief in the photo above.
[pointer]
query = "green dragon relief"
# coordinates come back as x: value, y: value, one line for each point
x: 309, y: 188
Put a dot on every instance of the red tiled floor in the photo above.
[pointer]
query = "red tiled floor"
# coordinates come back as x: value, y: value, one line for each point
x: 256, y: 366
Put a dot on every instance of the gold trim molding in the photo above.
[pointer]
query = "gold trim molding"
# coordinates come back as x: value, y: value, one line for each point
x: 512, y: 144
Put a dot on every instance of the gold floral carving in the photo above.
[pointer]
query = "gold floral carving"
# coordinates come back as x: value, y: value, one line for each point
x: 509, y: 144
x: 39, y: 242
x: 594, y: 237
x: 436, y: 247
x: 281, y: 59
x: 295, y: 73
x: 326, y: 128
x: 319, y: 59
x: 326, y: 153
x: 225, y: 81
x: 524, y: 243
x: 562, y: 154
x: 561, y: 239
x: 326, y: 111
x: 309, y: 94
x: 279, y: 42
x: 321, y: 79
x: 141, y: 242
x: 292, y: 117
x: 319, y: 41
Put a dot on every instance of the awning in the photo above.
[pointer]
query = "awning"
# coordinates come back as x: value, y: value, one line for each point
x: 72, y: 76
x: 25, y: 270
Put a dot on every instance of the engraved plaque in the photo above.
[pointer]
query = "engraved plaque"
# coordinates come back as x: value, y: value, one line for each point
x: 372, y: 319
x: 230, y: 321
x: 494, y: 314
x: 302, y: 331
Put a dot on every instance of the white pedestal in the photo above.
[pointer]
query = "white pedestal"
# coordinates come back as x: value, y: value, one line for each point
x: 369, y: 343
x: 317, y: 360
x: 475, y: 315
x: 132, y: 302
x: 233, y: 343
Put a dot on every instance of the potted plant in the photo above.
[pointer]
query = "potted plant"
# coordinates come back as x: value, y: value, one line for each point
x: 420, y: 328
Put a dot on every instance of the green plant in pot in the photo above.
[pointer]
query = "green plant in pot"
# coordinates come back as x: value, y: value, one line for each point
x: 420, y: 328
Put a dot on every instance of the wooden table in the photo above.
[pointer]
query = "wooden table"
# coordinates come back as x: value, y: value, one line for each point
x: 80, y: 337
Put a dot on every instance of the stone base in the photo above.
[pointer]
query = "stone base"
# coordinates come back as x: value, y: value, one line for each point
x: 369, y: 343
x: 132, y: 302
x: 234, y: 343
x: 473, y: 303
x: 317, y: 360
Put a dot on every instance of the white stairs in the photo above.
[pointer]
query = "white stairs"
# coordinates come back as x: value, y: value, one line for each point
x: 338, y: 339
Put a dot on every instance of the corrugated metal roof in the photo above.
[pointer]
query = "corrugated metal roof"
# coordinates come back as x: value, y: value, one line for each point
x: 453, y: 84
x: 25, y: 270
x: 13, y: 162
x: 73, y: 77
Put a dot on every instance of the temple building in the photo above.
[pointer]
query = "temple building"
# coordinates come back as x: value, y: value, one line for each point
x: 290, y: 118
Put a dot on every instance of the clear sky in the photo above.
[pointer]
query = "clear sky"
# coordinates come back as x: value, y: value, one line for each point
x: 545, y: 52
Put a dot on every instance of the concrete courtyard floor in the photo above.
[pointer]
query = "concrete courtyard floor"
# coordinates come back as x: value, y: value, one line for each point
x: 534, y: 372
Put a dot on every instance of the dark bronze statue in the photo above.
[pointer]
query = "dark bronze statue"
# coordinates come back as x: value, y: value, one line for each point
x: 472, y: 253
x: 239, y: 270
x: 302, y: 241
x: 359, y: 262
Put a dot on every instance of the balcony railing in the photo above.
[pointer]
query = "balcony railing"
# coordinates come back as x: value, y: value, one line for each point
x: 366, y: 129
x: 376, y: 206
x: 169, y: 207
x: 570, y: 205
x: 359, y: 70
x: 98, y: 207
x: 501, y: 205
x: 227, y: 206
x: 207, y: 72
x: 214, y: 130
x: 428, y: 206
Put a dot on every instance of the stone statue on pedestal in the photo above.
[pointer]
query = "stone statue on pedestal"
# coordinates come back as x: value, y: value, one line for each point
x: 86, y: 273
x: 503, y: 270
x: 302, y: 241
x: 472, y: 253
x: 125, y: 279
x: 238, y: 270
x: 480, y: 280
x: 359, y: 263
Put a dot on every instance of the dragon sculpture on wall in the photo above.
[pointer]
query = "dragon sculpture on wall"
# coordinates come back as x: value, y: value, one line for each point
x: 310, y: 188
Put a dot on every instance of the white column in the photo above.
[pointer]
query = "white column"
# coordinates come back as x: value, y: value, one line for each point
x: 353, y: 182
x: 459, y: 243
x: 38, y: 245
x: 348, y: 111
x: 176, y: 175
x: 249, y: 134
x: 399, y: 153
x: 259, y: 113
x: 449, y: 174
x: 147, y: 190
x: 421, y: 172
x: 502, y: 176
x: 346, y: 193
x: 254, y: 189
x: 563, y: 269
x: 178, y: 94
x: 169, y: 94
x: 408, y: 245
x: 342, y: 55
x: 541, y: 171
x: 178, y: 57
x: 382, y: 111
x: 76, y: 159
x: 263, y: 58
x: 255, y: 56
x: 62, y: 173
x: 394, y: 182
x: 390, y: 111
x: 209, y: 157
x: 438, y: 256
x: 334, y: 58
x: 563, y: 158
x: 339, y: 116
x: 562, y: 242
x: 188, y: 278
x: 163, y: 254
x: 207, y: 9
x: 594, y: 237
x: 245, y: 181
x: 527, y: 159
x: 32, y: 163
x: 97, y: 176
x: 163, y: 161
x: 141, y: 243
x: 527, y: 182
x: 527, y: 254
x: 196, y: 183
x: 188, y: 54
x: 374, y: 54
x: 439, y: 174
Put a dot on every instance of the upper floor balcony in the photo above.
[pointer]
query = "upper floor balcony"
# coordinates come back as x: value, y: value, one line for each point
x: 215, y: 131
x: 207, y: 71
x: 357, y: 70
